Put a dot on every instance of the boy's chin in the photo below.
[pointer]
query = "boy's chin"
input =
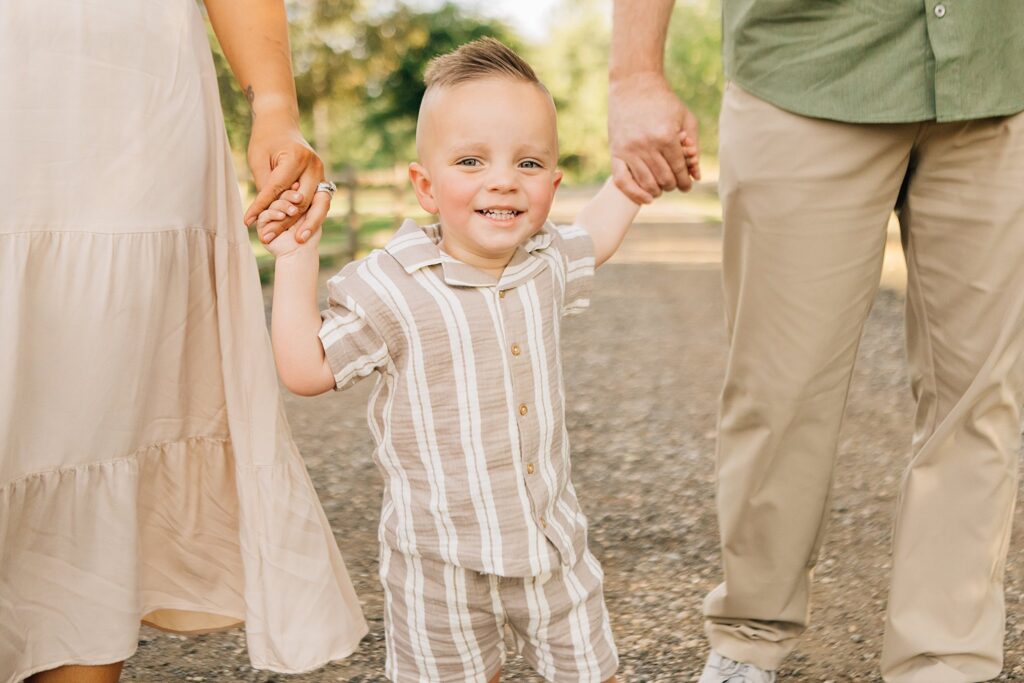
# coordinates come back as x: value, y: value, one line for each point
x: 503, y: 248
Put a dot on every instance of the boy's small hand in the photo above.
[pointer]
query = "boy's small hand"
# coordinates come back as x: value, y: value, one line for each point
x: 692, y: 155
x: 287, y: 205
x: 268, y: 222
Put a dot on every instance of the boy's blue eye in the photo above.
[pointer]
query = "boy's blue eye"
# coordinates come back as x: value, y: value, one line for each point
x: 468, y: 162
x: 530, y: 163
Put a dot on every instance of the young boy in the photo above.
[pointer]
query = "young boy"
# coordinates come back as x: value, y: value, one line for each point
x: 480, y: 527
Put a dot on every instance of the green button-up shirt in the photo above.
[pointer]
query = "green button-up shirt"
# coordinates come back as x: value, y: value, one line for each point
x: 879, y: 61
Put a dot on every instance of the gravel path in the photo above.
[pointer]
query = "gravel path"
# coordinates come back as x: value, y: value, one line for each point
x: 643, y: 370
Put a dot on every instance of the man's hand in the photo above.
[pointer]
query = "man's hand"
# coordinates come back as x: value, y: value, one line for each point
x: 646, y: 126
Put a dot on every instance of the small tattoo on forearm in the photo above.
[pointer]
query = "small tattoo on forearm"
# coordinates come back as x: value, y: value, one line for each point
x: 250, y: 95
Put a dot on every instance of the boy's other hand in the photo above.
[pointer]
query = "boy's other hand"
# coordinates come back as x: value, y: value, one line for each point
x: 691, y: 152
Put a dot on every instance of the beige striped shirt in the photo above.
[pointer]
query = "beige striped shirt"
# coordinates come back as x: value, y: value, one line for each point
x: 467, y: 412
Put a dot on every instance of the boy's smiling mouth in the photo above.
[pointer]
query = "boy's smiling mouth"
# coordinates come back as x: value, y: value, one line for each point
x: 499, y: 214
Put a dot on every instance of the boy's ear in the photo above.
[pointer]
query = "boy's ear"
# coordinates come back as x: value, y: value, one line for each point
x: 558, y: 179
x: 424, y: 189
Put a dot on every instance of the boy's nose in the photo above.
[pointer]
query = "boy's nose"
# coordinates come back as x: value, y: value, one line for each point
x: 502, y: 180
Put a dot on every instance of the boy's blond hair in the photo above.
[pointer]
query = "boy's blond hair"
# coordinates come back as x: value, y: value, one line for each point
x: 482, y: 58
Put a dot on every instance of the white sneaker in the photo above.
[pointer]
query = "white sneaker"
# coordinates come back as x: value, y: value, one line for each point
x: 720, y: 669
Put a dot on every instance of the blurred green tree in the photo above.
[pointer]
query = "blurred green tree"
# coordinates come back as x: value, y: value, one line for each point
x: 359, y: 75
x: 407, y: 40
x: 573, y: 63
x: 693, y: 64
x: 331, y: 63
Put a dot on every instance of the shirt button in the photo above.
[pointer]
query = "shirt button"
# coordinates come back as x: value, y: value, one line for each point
x: 501, y: 294
x: 529, y: 468
x: 523, y: 410
x: 940, y: 11
x: 544, y: 523
x: 515, y: 349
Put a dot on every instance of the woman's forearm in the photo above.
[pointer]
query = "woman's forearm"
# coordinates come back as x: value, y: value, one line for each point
x: 254, y: 37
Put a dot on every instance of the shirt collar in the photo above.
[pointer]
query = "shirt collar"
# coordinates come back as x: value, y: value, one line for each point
x: 415, y: 247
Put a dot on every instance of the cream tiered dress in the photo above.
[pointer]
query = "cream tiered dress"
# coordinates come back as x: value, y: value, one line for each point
x: 146, y: 468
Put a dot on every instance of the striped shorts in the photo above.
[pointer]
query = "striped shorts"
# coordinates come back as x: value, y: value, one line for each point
x: 448, y: 624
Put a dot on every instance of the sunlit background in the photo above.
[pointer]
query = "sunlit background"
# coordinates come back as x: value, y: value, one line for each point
x: 359, y: 67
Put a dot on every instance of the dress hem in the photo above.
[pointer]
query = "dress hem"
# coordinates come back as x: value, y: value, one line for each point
x: 345, y: 653
x: 100, y: 661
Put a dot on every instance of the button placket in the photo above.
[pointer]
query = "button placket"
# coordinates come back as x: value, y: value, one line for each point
x: 520, y: 367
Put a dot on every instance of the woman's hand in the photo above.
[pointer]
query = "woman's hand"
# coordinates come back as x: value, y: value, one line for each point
x: 280, y: 158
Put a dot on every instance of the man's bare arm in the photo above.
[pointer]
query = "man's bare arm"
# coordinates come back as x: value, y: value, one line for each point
x: 638, y: 37
x: 645, y: 118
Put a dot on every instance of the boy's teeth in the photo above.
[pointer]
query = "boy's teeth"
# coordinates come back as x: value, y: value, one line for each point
x: 501, y: 215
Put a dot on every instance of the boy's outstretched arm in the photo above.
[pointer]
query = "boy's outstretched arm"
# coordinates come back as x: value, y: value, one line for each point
x: 606, y: 218
x: 295, y: 320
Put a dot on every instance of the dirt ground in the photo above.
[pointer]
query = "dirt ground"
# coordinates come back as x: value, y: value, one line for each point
x: 643, y: 369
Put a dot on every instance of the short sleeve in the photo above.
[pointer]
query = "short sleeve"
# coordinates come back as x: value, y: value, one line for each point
x: 353, y: 348
x: 577, y: 254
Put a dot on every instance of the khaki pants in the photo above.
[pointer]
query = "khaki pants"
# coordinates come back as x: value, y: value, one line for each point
x: 805, y: 204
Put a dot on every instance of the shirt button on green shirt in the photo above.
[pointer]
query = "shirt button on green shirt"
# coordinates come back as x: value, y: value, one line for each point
x: 879, y: 61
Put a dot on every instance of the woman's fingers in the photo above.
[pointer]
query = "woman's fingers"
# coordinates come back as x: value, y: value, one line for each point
x: 315, y: 216
x: 281, y: 178
x: 312, y: 176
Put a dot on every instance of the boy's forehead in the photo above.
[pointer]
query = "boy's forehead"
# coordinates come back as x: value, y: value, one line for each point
x: 489, y: 88
x: 475, y: 101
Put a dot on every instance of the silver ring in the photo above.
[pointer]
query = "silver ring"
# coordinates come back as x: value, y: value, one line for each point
x: 328, y: 187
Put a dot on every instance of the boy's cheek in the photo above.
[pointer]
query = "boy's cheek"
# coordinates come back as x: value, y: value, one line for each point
x: 540, y: 205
